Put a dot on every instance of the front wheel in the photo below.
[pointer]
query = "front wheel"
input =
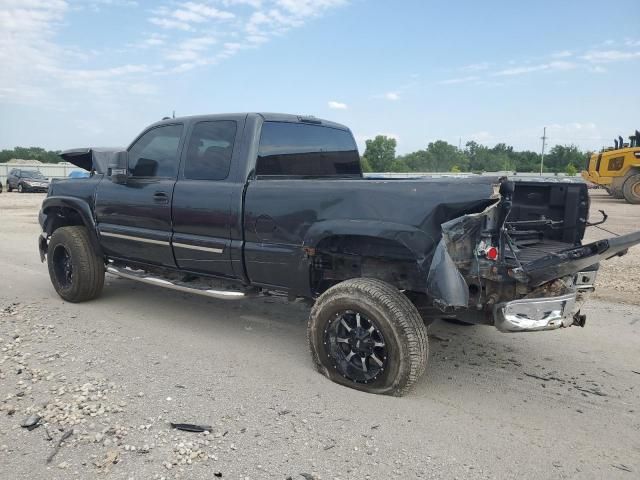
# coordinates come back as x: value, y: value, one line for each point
x: 365, y: 334
x: 631, y: 189
x: 76, y: 271
x: 20, y: 188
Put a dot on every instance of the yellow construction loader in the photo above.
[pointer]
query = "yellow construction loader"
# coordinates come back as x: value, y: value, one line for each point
x: 617, y: 169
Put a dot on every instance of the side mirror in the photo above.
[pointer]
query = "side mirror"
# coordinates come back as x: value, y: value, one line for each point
x: 119, y: 167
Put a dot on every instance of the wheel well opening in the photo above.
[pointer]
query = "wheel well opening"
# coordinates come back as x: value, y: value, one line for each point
x: 61, y: 217
x: 341, y: 257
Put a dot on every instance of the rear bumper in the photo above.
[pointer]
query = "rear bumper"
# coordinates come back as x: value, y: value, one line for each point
x: 535, y: 314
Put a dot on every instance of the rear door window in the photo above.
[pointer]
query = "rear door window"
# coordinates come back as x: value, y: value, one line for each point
x: 303, y: 150
x: 210, y: 149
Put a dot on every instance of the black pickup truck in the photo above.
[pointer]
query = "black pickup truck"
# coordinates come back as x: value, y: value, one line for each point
x: 235, y: 205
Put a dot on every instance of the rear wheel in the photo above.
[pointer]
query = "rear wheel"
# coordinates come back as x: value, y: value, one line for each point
x: 631, y: 189
x: 76, y: 272
x: 9, y: 189
x: 365, y: 334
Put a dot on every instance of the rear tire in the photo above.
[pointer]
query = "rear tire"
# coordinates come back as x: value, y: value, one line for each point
x: 631, y: 189
x: 9, y: 189
x: 382, y: 331
x: 76, y: 271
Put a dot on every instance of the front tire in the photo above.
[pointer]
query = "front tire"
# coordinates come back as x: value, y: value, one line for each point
x: 365, y: 334
x: 631, y: 189
x: 76, y: 271
x: 21, y: 188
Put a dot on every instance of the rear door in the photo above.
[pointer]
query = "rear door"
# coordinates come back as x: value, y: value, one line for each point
x: 202, y: 199
x: 134, y: 219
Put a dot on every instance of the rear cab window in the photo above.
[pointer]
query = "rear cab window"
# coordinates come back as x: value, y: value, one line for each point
x: 306, y: 150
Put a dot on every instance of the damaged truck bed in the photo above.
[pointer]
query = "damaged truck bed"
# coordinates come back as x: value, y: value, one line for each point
x: 236, y: 205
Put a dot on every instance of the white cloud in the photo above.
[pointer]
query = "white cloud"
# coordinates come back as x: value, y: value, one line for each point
x: 562, y: 54
x: 454, y: 81
x: 337, y: 105
x: 191, y: 49
x: 170, y: 23
x: 307, y: 8
x: 393, y: 96
x: 476, y: 67
x: 556, y: 65
x: 607, y: 56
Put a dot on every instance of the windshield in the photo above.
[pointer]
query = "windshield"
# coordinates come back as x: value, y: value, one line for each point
x: 31, y: 174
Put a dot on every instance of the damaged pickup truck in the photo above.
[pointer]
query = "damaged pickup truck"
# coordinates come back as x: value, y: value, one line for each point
x: 231, y: 206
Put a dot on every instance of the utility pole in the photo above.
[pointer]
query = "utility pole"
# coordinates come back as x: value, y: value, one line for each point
x: 544, y: 139
x: 460, y: 143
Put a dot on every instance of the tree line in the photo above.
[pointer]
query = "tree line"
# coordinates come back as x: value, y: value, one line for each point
x: 30, y: 153
x: 440, y: 156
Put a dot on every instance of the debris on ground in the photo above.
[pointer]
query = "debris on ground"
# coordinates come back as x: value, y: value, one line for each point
x: 111, y: 458
x: 64, y: 436
x: 191, y: 427
x: 31, y: 422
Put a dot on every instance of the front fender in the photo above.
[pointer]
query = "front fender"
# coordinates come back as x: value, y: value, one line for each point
x: 54, y: 214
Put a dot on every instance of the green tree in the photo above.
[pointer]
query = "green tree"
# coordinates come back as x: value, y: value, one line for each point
x: 380, y: 153
x: 399, y: 165
x: 562, y: 155
x: 570, y: 170
x: 444, y: 156
x: 365, y: 165
x: 30, y: 153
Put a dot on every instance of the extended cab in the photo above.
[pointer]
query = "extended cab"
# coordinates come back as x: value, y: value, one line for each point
x: 235, y: 205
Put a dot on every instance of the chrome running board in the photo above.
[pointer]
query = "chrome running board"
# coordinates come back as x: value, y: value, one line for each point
x: 144, y: 277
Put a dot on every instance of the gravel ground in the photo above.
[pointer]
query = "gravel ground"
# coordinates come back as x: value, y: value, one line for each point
x: 618, y: 278
x: 112, y: 373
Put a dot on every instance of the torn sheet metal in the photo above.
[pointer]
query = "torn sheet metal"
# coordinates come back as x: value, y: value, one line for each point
x: 573, y: 260
x: 91, y: 159
x: 445, y: 283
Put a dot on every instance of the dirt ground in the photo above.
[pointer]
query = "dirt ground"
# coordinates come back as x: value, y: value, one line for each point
x: 112, y: 374
x: 618, y: 278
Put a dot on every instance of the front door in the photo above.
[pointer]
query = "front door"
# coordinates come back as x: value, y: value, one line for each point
x: 134, y: 218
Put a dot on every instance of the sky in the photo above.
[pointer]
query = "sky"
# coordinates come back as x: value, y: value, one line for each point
x: 96, y: 72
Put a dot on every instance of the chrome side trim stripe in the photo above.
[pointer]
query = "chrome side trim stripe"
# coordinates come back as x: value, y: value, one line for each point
x: 198, y: 247
x: 136, y: 239
x: 162, y: 242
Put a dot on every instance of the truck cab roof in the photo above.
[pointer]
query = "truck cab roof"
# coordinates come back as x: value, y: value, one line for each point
x: 266, y: 116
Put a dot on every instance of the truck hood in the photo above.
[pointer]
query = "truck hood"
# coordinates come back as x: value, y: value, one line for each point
x: 92, y: 158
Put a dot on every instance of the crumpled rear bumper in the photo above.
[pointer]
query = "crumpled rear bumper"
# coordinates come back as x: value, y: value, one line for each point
x: 535, y: 314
